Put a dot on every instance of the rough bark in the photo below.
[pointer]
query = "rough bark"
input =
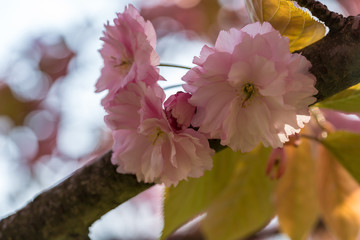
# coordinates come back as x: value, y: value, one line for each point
x: 66, y: 211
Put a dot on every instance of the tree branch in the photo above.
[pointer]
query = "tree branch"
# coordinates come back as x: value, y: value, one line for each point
x: 67, y: 210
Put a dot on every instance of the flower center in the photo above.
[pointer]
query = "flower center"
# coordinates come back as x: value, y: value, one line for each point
x: 155, y: 135
x: 248, y: 89
x: 123, y: 65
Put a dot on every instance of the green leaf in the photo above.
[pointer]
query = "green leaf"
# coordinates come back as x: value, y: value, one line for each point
x: 245, y: 206
x: 292, y: 22
x: 346, y: 101
x: 345, y: 147
x: 190, y: 198
x: 296, y: 197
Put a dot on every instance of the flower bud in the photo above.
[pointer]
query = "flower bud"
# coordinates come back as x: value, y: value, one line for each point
x: 179, y: 111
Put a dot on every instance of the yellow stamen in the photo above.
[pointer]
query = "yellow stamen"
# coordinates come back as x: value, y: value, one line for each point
x: 124, y: 64
x: 249, y: 90
x: 155, y: 135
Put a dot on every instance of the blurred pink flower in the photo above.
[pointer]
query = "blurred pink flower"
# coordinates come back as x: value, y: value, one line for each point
x: 144, y: 142
x: 342, y: 121
x: 179, y: 111
x: 153, y: 197
x: 128, y: 52
x: 351, y: 7
x: 276, y: 164
x: 249, y: 88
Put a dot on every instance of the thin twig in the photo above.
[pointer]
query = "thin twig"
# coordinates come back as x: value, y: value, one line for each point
x: 311, y: 138
x: 172, y: 86
x: 173, y: 65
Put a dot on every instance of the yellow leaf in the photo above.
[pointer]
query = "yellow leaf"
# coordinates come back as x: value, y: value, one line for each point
x: 246, y: 204
x: 339, y: 196
x: 296, y: 196
x: 292, y: 22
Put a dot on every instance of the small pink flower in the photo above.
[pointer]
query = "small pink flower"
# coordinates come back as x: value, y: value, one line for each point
x: 145, y: 143
x: 128, y: 52
x: 179, y: 111
x: 249, y: 88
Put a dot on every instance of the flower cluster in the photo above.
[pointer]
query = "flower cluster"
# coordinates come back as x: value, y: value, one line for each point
x: 149, y: 141
x: 246, y: 89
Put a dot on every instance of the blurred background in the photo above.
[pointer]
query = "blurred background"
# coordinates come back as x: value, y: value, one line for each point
x: 51, y: 121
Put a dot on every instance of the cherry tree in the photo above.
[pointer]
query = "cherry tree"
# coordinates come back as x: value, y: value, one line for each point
x: 256, y: 133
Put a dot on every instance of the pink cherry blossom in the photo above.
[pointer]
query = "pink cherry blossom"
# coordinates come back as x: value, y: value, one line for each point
x: 128, y: 52
x: 179, y: 111
x: 145, y: 144
x: 249, y: 88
